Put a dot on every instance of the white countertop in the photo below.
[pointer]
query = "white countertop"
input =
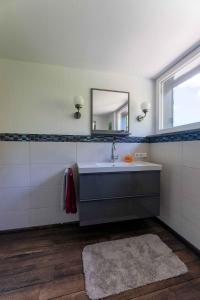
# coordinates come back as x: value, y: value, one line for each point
x: 109, y: 167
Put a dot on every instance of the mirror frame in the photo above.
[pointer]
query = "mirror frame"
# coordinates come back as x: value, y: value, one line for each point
x: 109, y: 132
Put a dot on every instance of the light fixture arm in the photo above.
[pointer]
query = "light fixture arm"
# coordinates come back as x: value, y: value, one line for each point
x: 77, y: 115
x: 141, y: 117
x: 78, y: 103
x: 145, y: 107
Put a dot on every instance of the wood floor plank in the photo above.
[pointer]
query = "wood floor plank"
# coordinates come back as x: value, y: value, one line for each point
x: 76, y: 296
x: 22, y: 294
x: 53, y: 289
x: 186, y: 291
x: 186, y: 255
x: 32, y: 262
x: 47, y: 263
x: 19, y: 280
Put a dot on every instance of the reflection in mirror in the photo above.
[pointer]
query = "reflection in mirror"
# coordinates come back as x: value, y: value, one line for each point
x: 110, y: 111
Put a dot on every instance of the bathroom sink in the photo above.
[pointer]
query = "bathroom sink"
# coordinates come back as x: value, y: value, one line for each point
x: 118, y: 164
x: 100, y: 167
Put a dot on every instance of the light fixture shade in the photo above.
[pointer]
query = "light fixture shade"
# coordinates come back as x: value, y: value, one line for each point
x: 145, y: 106
x: 78, y: 100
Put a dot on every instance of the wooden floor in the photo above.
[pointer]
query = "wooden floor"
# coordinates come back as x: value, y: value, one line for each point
x: 46, y: 263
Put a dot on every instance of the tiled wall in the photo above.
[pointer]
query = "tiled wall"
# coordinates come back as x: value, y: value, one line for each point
x: 31, y: 178
x: 180, y: 186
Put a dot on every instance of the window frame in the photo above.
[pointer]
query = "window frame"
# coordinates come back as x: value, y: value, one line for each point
x: 195, y: 54
x: 118, y: 111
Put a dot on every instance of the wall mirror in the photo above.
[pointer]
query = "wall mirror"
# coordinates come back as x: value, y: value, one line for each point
x: 109, y: 112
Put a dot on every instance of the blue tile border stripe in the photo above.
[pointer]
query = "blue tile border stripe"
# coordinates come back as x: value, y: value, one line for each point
x: 189, y: 135
x: 69, y: 138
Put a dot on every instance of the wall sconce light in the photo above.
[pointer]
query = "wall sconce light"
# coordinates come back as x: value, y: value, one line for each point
x: 145, y: 107
x: 78, y: 102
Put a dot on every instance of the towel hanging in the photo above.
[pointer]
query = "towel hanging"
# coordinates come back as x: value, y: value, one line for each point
x: 70, y: 194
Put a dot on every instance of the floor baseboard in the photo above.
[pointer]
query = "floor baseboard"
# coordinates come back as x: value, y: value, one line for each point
x: 60, y: 225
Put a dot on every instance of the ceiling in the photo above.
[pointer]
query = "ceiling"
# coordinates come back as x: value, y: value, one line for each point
x: 124, y: 36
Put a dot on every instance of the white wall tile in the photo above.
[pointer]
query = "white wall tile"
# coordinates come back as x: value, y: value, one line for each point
x: 191, y: 181
x: 169, y: 153
x: 191, y: 154
x: 14, y: 152
x: 172, y: 219
x: 171, y: 188
x: 52, y: 152
x: 14, y: 198
x: 191, y: 208
x: 62, y: 217
x: 99, y: 152
x: 41, y: 197
x: 43, y: 216
x: 93, y: 152
x: 157, y: 152
x: 14, y: 219
x: 190, y: 231
x: 180, y: 186
x: 14, y: 175
x: 47, y: 174
x: 30, y: 194
x: 129, y: 148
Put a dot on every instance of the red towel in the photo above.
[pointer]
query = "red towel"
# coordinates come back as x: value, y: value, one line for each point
x: 71, y: 194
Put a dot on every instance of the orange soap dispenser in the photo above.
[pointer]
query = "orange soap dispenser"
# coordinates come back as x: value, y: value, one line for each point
x: 128, y: 158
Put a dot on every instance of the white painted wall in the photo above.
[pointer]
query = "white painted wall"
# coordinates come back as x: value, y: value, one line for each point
x: 38, y: 98
x: 180, y: 186
x: 31, y: 178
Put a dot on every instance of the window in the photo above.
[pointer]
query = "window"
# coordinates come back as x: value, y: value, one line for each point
x: 122, y: 118
x: 179, y: 96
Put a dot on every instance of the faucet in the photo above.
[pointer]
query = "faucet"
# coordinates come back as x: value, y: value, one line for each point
x: 114, y: 156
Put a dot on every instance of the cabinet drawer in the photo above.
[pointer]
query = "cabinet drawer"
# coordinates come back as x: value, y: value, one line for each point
x: 119, y: 185
x: 95, y: 212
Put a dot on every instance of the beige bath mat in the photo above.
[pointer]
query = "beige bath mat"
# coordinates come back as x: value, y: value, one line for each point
x: 116, y: 266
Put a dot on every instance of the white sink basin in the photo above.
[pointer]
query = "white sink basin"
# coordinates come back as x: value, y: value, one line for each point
x: 100, y: 167
x: 118, y: 164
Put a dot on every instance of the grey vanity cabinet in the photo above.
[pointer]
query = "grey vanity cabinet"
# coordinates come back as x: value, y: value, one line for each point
x: 109, y: 197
